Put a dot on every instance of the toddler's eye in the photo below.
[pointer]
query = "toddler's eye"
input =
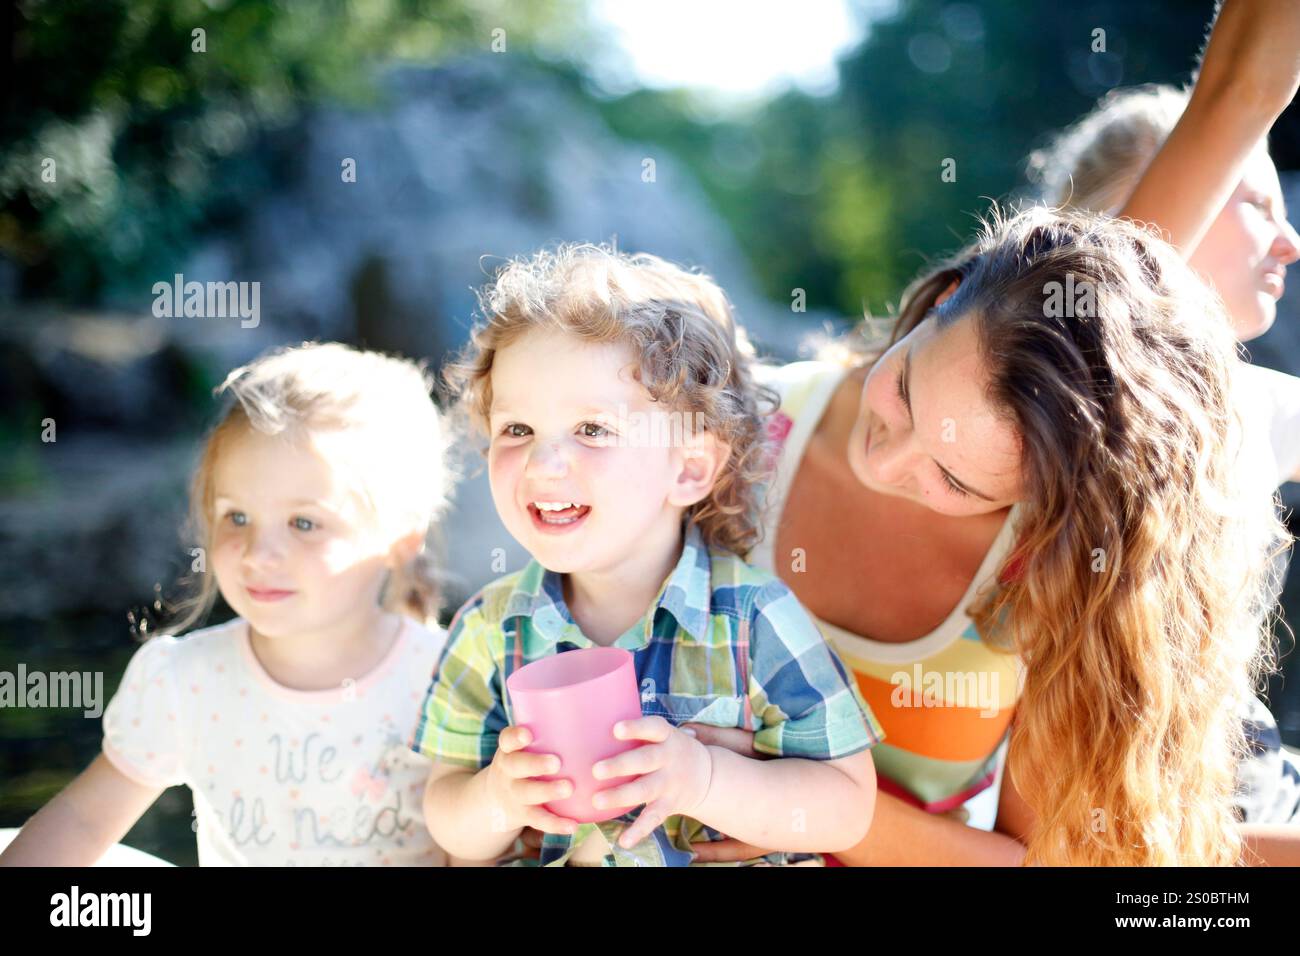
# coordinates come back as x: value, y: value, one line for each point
x: 594, y: 430
x: 516, y: 430
x: 304, y: 524
x: 237, y: 518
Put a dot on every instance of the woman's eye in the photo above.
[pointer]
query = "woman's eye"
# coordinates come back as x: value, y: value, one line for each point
x: 515, y: 430
x: 304, y: 524
x: 952, y: 485
x: 594, y: 430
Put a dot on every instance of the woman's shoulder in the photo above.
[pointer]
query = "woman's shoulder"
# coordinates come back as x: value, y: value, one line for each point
x: 803, y: 389
x: 792, y: 380
x: 1270, y: 408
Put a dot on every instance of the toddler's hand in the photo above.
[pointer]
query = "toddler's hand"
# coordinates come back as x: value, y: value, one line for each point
x: 512, y: 789
x: 674, y: 768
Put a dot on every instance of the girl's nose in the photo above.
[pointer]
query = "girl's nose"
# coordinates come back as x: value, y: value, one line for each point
x: 1286, y: 247
x: 264, y: 549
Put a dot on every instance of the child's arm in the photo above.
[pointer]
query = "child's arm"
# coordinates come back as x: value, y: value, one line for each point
x: 788, y: 803
x: 477, y: 815
x: 783, y: 804
x: 1248, y: 76
x: 83, y: 821
x: 900, y: 834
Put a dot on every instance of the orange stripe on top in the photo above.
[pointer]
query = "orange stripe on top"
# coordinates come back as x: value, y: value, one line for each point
x: 943, y: 733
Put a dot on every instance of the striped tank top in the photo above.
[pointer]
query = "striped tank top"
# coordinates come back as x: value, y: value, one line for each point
x: 945, y: 700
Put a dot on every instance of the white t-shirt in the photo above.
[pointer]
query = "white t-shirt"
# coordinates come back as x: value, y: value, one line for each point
x: 1271, y: 400
x: 280, y: 777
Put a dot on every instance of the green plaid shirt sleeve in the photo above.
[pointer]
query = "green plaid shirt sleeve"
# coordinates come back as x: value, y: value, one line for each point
x: 808, y: 703
x: 463, y: 715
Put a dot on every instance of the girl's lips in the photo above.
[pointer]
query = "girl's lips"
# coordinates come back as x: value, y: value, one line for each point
x: 576, y: 517
x: 1275, y: 284
x: 268, y: 594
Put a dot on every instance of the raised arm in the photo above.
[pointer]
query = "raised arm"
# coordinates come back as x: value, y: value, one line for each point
x: 1249, y: 74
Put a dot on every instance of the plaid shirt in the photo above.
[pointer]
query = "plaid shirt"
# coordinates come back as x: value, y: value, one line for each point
x: 724, y: 644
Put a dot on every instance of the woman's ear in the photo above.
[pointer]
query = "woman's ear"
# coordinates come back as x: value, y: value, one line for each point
x: 946, y: 294
x: 700, y: 461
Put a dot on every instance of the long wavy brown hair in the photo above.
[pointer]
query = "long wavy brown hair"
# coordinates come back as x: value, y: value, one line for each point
x: 1138, y: 593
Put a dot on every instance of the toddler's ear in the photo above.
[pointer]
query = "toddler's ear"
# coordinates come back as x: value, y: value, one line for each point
x: 700, y: 461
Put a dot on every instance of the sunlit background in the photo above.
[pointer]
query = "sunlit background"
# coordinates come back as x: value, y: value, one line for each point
x: 794, y: 145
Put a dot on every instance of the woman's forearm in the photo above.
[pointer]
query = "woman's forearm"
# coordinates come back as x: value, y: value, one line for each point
x: 1270, y: 844
x: 903, y: 835
x: 1247, y: 78
x: 789, y: 804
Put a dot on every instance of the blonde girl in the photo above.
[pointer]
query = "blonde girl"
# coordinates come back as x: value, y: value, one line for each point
x: 313, y: 500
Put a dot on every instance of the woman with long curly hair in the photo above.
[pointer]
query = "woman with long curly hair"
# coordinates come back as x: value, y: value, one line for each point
x: 1024, y: 519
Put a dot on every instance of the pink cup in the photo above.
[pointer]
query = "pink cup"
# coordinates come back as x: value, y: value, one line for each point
x: 571, y: 702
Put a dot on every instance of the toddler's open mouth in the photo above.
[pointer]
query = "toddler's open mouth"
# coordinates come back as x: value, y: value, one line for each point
x: 557, y: 516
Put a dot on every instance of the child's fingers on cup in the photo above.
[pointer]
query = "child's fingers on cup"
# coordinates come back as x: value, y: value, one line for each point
x: 654, y: 729
x: 539, y: 818
x: 532, y: 793
x: 646, y: 759
x: 631, y: 794
x: 514, y: 738
x: 521, y: 764
x: 725, y: 851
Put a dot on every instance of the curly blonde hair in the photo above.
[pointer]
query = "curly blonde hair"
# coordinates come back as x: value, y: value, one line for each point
x: 1138, y: 594
x: 691, y: 356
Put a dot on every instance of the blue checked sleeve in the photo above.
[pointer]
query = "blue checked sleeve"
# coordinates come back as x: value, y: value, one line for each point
x: 462, y: 715
x: 804, y: 699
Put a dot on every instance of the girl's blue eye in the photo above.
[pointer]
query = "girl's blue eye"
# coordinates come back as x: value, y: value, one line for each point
x: 237, y: 518
x: 304, y: 524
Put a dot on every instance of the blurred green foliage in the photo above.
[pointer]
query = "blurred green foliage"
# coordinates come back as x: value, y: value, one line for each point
x: 842, y: 195
x: 138, y: 111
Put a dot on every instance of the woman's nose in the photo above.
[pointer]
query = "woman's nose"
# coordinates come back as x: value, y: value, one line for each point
x: 891, y: 460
